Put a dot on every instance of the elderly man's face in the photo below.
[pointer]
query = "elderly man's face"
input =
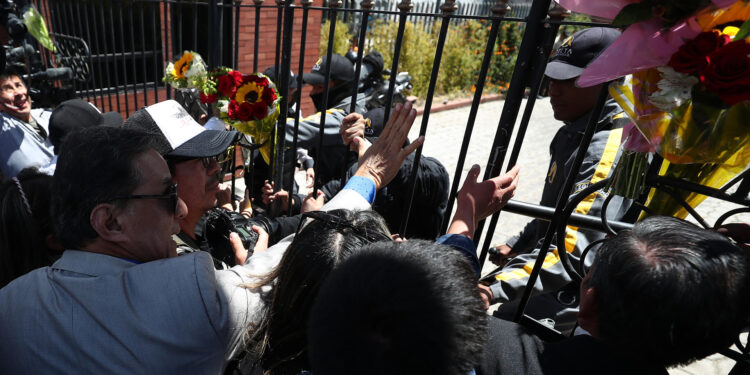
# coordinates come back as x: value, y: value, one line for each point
x: 14, y: 98
x: 570, y: 102
x: 197, y: 184
x: 150, y: 223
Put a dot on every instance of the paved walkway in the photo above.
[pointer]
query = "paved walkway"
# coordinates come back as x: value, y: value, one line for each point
x: 443, y: 141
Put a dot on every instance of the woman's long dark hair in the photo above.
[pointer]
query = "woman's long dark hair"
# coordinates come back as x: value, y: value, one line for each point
x: 280, y: 339
x: 23, y: 234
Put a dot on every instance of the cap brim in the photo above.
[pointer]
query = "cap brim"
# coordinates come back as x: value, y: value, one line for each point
x: 561, y: 71
x: 206, y: 143
x: 313, y: 78
x: 112, y: 119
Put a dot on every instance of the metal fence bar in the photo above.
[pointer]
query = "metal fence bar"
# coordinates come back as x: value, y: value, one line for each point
x: 562, y: 200
x: 298, y: 95
x: 404, y: 7
x: 100, y: 47
x: 539, y: 64
x: 334, y: 4
x: 133, y: 61
x: 257, y: 3
x: 500, y: 8
x: 515, y: 94
x: 122, y: 58
x: 283, y: 78
x: 164, y: 54
x: 447, y: 8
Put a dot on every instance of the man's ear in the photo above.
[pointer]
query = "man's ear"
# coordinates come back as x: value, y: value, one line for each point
x: 588, y: 312
x: 105, y: 218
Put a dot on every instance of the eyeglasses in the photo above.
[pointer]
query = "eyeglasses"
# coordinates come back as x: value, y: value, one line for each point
x: 170, y: 197
x: 206, y: 161
x: 335, y: 222
x: 220, y: 159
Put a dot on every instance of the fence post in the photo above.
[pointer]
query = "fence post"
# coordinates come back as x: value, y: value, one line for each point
x: 447, y: 9
x: 404, y: 7
x: 283, y: 80
x: 499, y: 9
x: 214, y: 28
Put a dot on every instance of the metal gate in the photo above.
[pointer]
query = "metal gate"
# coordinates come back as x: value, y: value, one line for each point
x: 131, y: 41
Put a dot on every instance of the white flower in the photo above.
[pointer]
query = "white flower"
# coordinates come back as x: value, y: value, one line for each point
x: 197, y: 71
x: 222, y: 106
x: 674, y: 89
x: 170, y: 68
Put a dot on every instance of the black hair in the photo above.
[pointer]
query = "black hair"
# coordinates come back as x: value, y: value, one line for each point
x: 399, y: 308
x: 9, y: 73
x: 23, y: 233
x: 430, y: 199
x: 95, y: 166
x: 280, y: 340
x: 669, y: 291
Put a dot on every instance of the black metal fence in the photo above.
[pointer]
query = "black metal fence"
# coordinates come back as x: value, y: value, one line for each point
x: 130, y: 41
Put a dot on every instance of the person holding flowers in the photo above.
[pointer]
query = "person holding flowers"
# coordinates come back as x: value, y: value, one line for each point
x: 573, y: 105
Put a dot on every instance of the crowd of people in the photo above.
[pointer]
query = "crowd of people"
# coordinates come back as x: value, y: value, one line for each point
x: 106, y: 265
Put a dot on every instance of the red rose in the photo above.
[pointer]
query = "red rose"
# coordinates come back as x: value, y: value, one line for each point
x: 260, y: 110
x: 262, y: 82
x: 728, y: 72
x: 268, y: 96
x: 226, y: 85
x: 208, y: 99
x: 692, y: 56
x: 233, y: 108
x: 246, y: 112
x: 236, y: 76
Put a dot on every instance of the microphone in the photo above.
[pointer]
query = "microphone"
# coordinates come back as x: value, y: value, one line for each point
x: 52, y: 74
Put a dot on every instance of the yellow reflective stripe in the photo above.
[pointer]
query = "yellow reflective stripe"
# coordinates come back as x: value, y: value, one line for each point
x: 602, y: 171
x: 571, y: 235
x: 550, y: 260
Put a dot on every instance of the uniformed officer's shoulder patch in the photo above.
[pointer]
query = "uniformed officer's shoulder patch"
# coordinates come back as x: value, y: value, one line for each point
x: 580, y: 187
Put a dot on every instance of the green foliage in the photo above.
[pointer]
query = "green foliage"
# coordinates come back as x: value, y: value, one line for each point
x: 342, y: 39
x: 462, y: 54
x: 417, y: 51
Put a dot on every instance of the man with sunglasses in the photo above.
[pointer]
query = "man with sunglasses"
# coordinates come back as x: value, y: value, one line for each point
x: 119, y: 300
x: 193, y: 155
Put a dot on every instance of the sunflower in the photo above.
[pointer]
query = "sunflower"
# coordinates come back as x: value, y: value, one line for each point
x: 249, y: 92
x: 182, y: 65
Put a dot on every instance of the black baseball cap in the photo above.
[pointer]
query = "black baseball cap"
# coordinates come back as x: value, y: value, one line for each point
x: 576, y: 52
x: 341, y: 70
x: 271, y: 73
x: 77, y: 114
x: 177, y: 134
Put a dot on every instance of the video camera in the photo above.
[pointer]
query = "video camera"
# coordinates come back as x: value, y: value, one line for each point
x: 21, y: 57
x: 220, y: 223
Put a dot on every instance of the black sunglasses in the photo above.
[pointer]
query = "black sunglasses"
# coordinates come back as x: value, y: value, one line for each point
x: 170, y: 197
x: 336, y: 222
x: 206, y: 160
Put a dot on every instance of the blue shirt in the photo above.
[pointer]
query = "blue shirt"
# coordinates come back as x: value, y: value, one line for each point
x: 21, y: 146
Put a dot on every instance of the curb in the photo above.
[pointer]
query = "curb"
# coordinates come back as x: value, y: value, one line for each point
x: 459, y: 103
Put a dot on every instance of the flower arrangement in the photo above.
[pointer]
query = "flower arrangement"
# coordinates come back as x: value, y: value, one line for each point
x: 249, y: 103
x: 688, y: 94
x: 189, y: 71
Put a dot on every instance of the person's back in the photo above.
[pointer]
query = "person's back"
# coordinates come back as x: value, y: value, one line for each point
x: 167, y: 325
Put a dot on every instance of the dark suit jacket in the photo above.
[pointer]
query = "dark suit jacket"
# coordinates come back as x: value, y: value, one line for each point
x: 511, y: 349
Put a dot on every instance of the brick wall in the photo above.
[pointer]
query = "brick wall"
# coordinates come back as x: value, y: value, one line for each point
x: 266, y: 54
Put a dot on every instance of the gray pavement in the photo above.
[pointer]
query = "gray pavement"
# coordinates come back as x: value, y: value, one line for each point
x: 443, y: 141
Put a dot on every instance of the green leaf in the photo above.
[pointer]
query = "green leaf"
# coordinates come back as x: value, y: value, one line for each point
x: 633, y: 13
x: 744, y: 31
x: 37, y: 28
